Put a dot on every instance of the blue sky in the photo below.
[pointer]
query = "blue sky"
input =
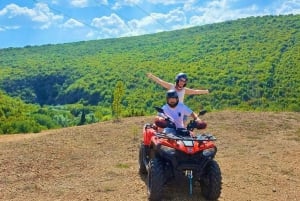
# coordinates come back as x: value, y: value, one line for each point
x: 38, y: 22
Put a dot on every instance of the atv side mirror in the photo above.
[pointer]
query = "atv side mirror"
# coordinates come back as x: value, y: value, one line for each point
x: 202, y: 112
x: 158, y: 109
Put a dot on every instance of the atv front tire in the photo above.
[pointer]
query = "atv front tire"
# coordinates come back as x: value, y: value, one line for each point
x: 142, y: 158
x: 211, y: 181
x: 155, y: 180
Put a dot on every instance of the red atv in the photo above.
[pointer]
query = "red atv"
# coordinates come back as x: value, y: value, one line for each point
x: 168, y: 153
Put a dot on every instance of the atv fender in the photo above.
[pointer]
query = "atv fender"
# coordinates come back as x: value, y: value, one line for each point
x: 148, y: 133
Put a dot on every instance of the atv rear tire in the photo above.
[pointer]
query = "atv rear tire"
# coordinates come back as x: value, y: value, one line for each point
x: 155, y: 180
x: 211, y: 181
x: 142, y: 155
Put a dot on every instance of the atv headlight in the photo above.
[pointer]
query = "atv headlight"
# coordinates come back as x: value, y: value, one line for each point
x: 167, y: 149
x: 209, y: 152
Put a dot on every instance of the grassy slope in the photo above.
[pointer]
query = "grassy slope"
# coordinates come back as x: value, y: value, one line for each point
x: 257, y: 153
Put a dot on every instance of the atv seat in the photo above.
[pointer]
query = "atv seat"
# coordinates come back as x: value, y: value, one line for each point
x: 182, y: 132
x: 177, y: 132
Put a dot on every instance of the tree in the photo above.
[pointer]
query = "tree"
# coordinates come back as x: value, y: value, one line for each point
x: 117, y: 98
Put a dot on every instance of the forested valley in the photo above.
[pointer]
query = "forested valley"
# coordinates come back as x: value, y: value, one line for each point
x: 248, y: 64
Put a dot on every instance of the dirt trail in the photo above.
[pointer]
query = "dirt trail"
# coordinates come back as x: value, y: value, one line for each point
x: 258, y: 154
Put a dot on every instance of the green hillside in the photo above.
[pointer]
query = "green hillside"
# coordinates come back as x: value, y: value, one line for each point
x: 247, y: 64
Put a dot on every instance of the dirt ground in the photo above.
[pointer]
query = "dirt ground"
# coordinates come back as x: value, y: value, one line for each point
x: 258, y: 153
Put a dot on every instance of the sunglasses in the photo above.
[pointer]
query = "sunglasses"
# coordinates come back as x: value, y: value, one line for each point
x: 181, y: 80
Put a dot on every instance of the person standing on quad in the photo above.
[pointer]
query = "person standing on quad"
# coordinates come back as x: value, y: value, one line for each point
x: 179, y: 86
x: 177, y: 110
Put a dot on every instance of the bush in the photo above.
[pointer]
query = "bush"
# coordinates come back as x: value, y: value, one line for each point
x: 45, y: 120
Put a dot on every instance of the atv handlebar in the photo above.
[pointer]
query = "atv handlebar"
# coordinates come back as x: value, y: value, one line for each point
x: 202, y: 112
x: 160, y: 110
x: 191, y: 125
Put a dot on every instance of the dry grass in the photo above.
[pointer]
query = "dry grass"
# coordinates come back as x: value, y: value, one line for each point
x: 258, y: 154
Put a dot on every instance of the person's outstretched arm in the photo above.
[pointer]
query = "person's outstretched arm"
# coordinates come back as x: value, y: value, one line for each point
x: 195, y: 91
x: 159, y: 81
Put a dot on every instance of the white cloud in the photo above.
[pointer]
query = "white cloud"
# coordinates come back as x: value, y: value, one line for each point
x: 156, y: 22
x: 90, y: 35
x: 176, y: 16
x: 40, y: 14
x: 13, y: 10
x: 130, y: 2
x: 110, y: 26
x: 189, y: 5
x: 168, y: 2
x: 79, y: 3
x: 55, y: 2
x: 120, y: 4
x: 104, y: 2
x: 72, y: 23
x: 219, y: 11
x: 288, y: 7
x: 5, y: 28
